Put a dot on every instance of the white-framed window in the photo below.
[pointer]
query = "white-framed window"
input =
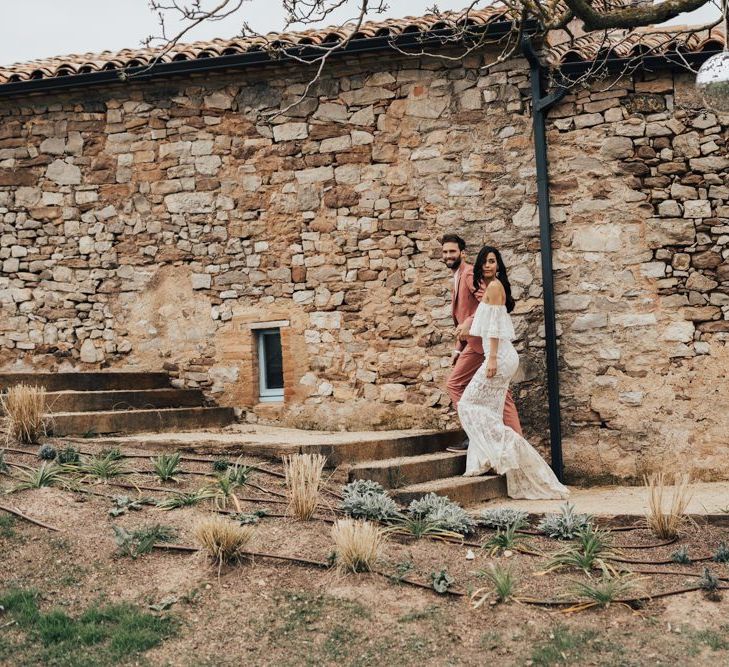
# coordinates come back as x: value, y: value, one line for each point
x: 270, y: 365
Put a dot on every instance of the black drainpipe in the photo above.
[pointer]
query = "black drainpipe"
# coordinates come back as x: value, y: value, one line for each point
x: 541, y: 104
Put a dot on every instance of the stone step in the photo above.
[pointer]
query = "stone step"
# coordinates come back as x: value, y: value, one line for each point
x: 403, y: 470
x: 386, y: 448
x: 107, y: 381
x: 145, y: 399
x: 139, y: 421
x: 463, y: 490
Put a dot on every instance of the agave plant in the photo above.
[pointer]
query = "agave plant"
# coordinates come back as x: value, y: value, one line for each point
x: 48, y: 474
x: 223, y: 490
x: 503, y: 582
x: 604, y: 591
x: 220, y: 465
x: 504, y: 540
x: 238, y: 472
x: 418, y: 527
x: 594, y: 549
x: 441, y: 581
x: 178, y: 500
x: 102, y: 466
x: 166, y: 466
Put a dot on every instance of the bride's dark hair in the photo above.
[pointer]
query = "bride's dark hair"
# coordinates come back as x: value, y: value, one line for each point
x: 501, y: 273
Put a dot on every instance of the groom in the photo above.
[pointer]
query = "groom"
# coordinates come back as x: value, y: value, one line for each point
x: 468, y: 355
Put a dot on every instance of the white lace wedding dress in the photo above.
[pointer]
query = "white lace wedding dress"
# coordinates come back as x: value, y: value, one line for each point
x: 492, y: 445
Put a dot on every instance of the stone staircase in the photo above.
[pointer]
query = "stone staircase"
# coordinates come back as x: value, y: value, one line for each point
x: 120, y: 402
x: 422, y: 466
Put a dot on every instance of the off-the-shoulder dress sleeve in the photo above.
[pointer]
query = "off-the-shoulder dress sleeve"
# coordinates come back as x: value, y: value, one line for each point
x: 492, y: 322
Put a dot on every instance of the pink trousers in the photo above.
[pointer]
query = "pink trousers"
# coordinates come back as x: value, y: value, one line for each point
x: 469, y: 361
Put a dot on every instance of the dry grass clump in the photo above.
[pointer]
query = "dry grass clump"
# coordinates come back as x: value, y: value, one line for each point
x: 357, y: 544
x: 303, y: 483
x: 665, y: 523
x: 223, y: 540
x: 24, y: 406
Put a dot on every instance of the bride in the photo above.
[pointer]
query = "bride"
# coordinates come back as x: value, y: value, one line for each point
x: 491, y: 444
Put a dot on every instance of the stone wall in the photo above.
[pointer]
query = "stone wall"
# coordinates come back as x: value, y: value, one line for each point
x: 640, y: 175
x: 156, y: 226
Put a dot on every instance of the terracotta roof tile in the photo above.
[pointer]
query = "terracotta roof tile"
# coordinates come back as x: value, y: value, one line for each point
x: 584, y: 48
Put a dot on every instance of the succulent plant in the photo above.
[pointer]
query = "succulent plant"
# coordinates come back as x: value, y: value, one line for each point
x: 220, y: 465
x: 566, y: 524
x: 444, y: 512
x: 721, y: 555
x: 3, y: 465
x: 503, y: 518
x: 69, y: 455
x: 681, y: 555
x: 442, y: 581
x: 47, y: 453
x: 365, y: 499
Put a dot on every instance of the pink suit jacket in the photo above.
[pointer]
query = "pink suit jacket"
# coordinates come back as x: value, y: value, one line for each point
x: 464, y: 302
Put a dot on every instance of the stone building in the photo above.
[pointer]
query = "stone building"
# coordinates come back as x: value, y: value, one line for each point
x: 163, y: 222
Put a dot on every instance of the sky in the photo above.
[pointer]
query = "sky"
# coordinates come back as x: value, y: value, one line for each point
x: 33, y: 29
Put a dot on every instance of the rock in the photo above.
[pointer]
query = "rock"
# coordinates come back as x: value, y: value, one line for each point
x: 190, y: 202
x: 88, y: 352
x: 63, y: 173
x: 687, y: 145
x: 669, y: 209
x: 697, y: 208
x: 588, y: 120
x: 598, y: 238
x: 617, y: 148
x: 201, y: 281
x: 699, y: 282
x: 219, y: 100
x: 589, y: 321
x: 290, y: 131
x: 682, y: 332
x: 706, y: 260
x: 662, y: 232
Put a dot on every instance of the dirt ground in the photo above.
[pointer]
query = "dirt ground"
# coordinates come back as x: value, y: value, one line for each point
x: 270, y: 612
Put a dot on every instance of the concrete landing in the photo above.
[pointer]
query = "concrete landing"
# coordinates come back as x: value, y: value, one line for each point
x: 708, y: 498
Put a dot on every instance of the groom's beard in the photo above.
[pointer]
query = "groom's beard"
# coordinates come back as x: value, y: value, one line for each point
x: 453, y: 264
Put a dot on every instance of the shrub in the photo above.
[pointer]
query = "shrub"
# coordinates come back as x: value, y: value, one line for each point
x: 357, y: 544
x: 303, y: 483
x: 665, y: 524
x: 503, y: 518
x: 443, y: 512
x: 566, y: 524
x: 365, y: 499
x: 223, y: 540
x: 24, y: 407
